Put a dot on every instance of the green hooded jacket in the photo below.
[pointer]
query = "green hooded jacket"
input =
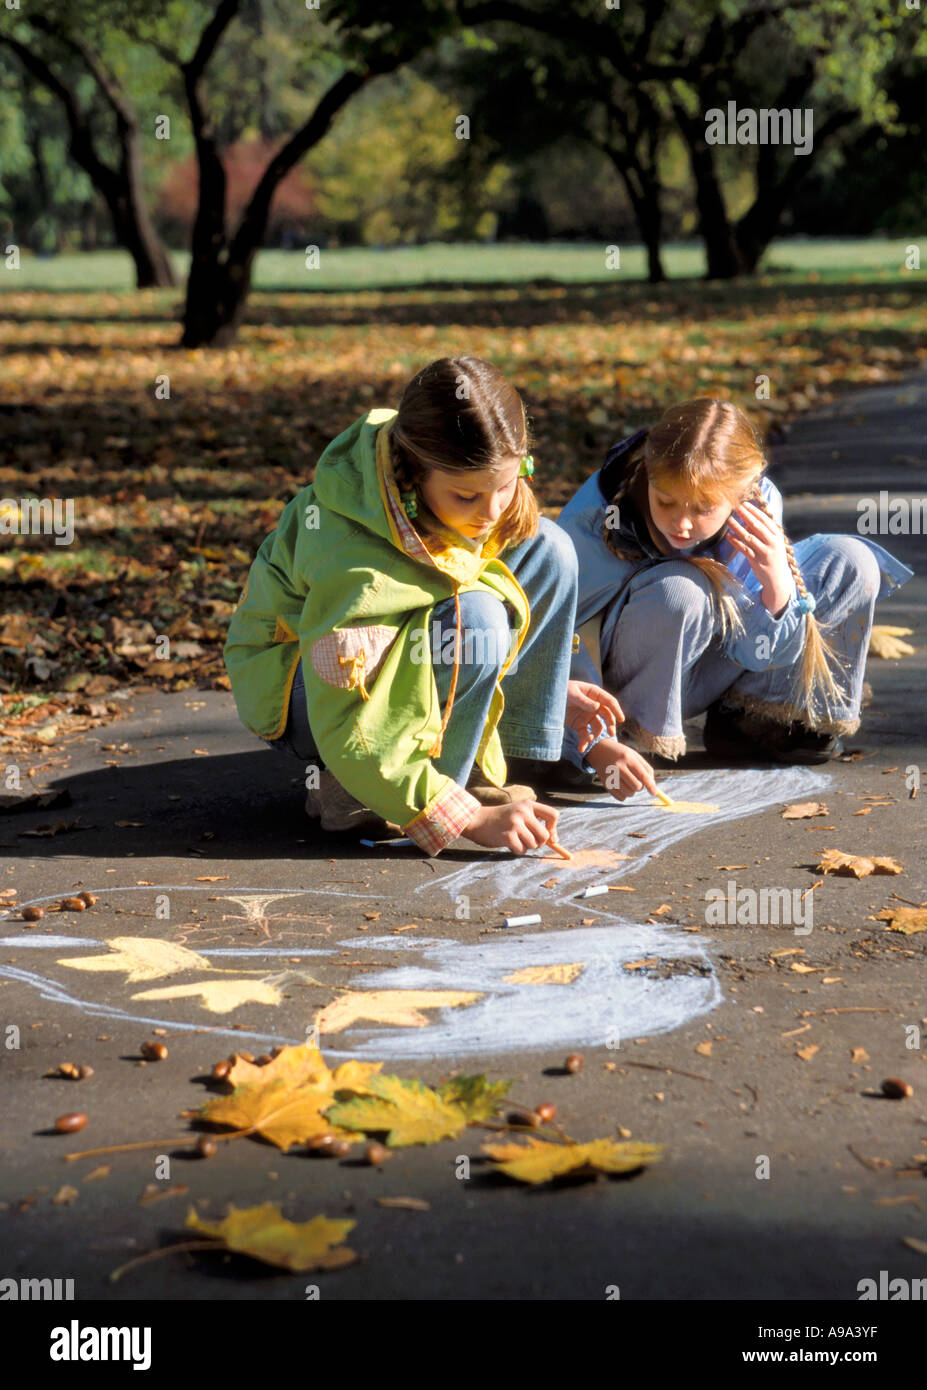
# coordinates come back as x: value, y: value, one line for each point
x: 348, y: 584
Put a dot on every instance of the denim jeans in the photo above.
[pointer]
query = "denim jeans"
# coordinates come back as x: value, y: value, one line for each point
x: 663, y: 659
x: 535, y: 688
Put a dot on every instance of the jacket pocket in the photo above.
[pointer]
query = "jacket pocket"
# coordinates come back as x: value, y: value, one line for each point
x: 351, y: 657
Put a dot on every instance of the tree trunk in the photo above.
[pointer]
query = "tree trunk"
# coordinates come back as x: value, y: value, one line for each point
x: 721, y: 251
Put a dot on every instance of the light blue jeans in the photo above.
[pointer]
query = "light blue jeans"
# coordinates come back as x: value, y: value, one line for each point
x: 535, y: 687
x: 663, y: 659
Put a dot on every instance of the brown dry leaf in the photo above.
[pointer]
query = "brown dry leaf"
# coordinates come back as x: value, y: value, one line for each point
x: 550, y: 883
x: 803, y: 810
x: 404, y: 1203
x: 372, y: 916
x: 834, y: 861
x: 60, y: 827
x: 102, y: 1172
x: 65, y: 1196
x: 907, y: 920
x: 864, y: 812
x: 806, y: 1053
x: 639, y: 964
x: 859, y: 1054
x: 399, y: 1006
x: 660, y: 911
x: 728, y: 867
x: 886, y: 642
x: 704, y: 1048
x: 265, y: 1234
x: 210, y: 878
x: 546, y: 974
x: 801, y: 969
x: 154, y: 1193
x: 787, y: 951
x: 284, y: 1100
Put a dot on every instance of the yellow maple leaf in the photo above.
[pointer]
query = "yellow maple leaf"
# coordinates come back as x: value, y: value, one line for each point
x: 265, y: 1234
x: 219, y: 996
x: 389, y: 1006
x: 142, y: 958
x: 409, y: 1112
x: 545, y: 974
x: 834, y: 861
x: 284, y: 1100
x: 538, y: 1161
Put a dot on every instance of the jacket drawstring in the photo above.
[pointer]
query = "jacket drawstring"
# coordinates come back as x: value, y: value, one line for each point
x: 358, y: 665
x: 435, y: 749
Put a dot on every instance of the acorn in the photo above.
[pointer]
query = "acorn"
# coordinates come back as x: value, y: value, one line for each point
x: 205, y: 1146
x: 88, y: 898
x: 574, y: 1062
x: 153, y: 1051
x: 84, y: 1072
x: 376, y: 1154
x: 69, y: 1070
x: 525, y: 1117
x: 32, y: 914
x: 221, y: 1070
x: 545, y: 1112
x: 322, y: 1143
x: 70, y: 1124
x: 264, y: 1060
x: 72, y: 905
x: 246, y: 1056
x: 896, y: 1089
x: 340, y: 1148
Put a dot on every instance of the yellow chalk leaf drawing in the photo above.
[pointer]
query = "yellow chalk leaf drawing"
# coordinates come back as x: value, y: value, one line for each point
x: 142, y: 958
x: 284, y: 1099
x: 539, y: 1161
x: 694, y: 808
x: 546, y: 974
x: 886, y: 642
x: 389, y: 1006
x: 219, y: 996
x: 265, y: 1234
x: 586, y: 859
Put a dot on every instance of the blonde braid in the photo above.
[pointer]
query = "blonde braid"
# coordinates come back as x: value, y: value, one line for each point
x: 817, y: 677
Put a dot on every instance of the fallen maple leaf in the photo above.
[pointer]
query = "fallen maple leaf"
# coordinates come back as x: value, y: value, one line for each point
x: 389, y: 1006
x: 65, y: 1196
x: 834, y: 861
x: 538, y: 1161
x: 802, y: 810
x: 907, y: 920
x: 265, y: 1234
x: 886, y: 642
x: 284, y: 1100
x: 409, y: 1112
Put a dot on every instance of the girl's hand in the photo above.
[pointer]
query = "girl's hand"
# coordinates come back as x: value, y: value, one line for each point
x: 590, y: 710
x: 762, y: 540
x: 521, y: 826
x: 621, y: 769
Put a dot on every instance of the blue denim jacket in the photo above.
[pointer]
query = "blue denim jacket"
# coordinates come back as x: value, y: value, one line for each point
x: 603, y: 575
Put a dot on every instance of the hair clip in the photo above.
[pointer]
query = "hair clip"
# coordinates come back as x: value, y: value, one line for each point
x: 806, y: 603
x: 527, y: 467
x: 409, y: 504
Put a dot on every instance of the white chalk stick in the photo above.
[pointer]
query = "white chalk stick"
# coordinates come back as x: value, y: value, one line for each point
x: 522, y: 921
x: 595, y: 889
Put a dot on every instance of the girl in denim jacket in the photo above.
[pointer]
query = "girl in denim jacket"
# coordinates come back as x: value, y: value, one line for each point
x: 692, y: 599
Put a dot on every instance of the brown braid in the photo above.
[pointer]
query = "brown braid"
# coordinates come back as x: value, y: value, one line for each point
x: 625, y: 549
x: 817, y: 677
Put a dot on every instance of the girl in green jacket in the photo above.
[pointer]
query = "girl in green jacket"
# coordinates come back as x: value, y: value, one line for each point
x: 411, y: 616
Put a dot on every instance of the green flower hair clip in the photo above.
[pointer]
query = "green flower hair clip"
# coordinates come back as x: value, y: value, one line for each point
x: 527, y: 467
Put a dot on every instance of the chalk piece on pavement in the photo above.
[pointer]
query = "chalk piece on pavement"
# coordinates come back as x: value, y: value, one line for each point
x: 595, y: 889
x: 523, y: 921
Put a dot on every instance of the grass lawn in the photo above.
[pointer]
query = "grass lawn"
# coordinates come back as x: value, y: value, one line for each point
x: 369, y: 267
x: 173, y: 495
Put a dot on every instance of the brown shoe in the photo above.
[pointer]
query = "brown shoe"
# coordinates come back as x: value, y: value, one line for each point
x: 338, y: 810
x: 489, y: 795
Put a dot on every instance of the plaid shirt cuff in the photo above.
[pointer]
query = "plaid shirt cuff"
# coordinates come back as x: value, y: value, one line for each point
x: 440, y: 823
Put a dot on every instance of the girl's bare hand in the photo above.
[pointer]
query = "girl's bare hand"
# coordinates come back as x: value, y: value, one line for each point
x: 590, y: 710
x: 521, y: 826
x: 762, y: 540
x: 621, y: 769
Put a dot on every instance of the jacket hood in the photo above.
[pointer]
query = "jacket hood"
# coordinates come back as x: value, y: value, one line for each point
x: 354, y: 477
